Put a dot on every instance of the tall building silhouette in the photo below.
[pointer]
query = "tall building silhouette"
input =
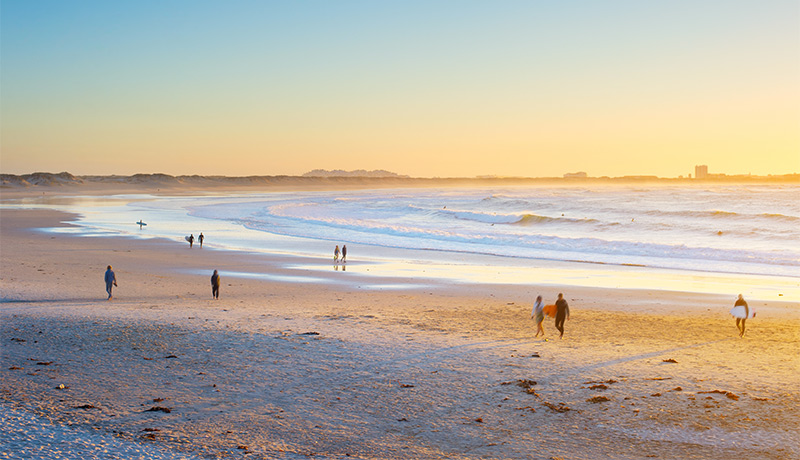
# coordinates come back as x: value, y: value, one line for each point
x: 700, y: 171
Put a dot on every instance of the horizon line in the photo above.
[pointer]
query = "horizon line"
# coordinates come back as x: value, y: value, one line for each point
x: 340, y: 174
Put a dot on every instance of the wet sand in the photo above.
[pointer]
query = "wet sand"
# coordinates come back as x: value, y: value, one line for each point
x: 337, y: 370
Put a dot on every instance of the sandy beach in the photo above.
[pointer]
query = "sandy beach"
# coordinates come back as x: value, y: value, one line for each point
x: 640, y: 159
x: 337, y: 370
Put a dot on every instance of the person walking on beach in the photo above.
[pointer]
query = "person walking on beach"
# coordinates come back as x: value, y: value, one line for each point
x: 562, y: 313
x: 538, y: 315
x: 111, y: 280
x: 190, y: 240
x: 215, y: 285
x: 336, y: 254
x: 344, y: 253
x: 200, y: 239
x: 740, y: 302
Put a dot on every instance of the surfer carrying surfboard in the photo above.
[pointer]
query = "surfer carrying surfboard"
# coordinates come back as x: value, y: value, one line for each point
x: 740, y: 319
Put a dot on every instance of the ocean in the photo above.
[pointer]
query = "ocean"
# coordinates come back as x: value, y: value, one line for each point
x: 728, y: 234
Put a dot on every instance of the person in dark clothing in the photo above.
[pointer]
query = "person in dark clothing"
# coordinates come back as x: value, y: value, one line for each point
x: 200, y: 239
x: 740, y: 302
x: 111, y: 280
x: 190, y: 240
x: 562, y: 313
x: 215, y: 285
x: 344, y: 253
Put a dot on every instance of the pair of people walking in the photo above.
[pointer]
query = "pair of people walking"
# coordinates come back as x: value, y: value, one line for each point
x: 561, y: 314
x: 342, y: 253
x: 200, y: 239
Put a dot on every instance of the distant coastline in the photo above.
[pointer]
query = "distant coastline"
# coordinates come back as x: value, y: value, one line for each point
x: 321, y: 178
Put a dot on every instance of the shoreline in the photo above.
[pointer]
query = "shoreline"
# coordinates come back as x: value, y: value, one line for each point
x: 439, y: 267
x: 284, y: 267
x: 290, y: 370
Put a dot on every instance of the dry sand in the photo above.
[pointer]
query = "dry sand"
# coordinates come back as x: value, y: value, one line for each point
x: 293, y: 370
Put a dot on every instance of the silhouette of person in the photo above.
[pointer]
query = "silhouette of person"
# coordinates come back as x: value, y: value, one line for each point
x: 200, y: 238
x: 215, y: 285
x: 344, y: 253
x: 191, y: 240
x: 111, y: 280
x: 562, y: 312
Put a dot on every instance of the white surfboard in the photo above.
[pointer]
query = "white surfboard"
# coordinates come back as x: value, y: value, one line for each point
x: 739, y: 312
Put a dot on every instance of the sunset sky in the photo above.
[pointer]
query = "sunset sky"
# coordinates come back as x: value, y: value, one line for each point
x: 423, y: 88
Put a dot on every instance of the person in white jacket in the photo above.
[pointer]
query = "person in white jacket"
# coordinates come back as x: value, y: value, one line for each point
x: 538, y: 315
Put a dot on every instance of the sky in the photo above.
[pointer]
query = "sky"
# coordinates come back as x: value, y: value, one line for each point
x: 422, y: 88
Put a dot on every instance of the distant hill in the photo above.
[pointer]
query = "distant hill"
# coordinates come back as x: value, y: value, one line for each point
x: 166, y: 181
x: 356, y: 173
x: 39, y: 178
x: 336, y: 178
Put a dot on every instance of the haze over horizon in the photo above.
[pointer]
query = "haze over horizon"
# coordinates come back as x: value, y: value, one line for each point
x: 44, y: 177
x: 450, y: 89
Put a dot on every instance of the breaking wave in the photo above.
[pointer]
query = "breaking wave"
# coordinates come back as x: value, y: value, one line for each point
x: 728, y: 231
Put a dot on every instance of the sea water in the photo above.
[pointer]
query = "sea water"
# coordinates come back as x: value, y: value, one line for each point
x: 638, y: 236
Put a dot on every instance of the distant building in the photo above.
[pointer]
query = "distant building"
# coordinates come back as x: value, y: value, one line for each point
x: 577, y: 175
x: 700, y: 171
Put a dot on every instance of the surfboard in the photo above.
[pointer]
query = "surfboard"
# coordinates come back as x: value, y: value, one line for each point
x: 140, y: 223
x: 187, y: 238
x: 549, y: 310
x: 738, y: 312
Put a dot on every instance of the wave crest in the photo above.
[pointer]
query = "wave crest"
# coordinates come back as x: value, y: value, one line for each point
x: 780, y: 217
x: 532, y: 219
